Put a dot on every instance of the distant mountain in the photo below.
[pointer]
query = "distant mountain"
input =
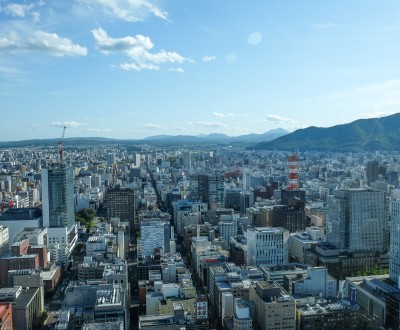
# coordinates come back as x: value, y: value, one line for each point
x: 156, y: 139
x: 363, y: 134
x: 220, y: 138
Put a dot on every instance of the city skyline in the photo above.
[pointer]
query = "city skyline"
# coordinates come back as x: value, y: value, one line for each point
x: 129, y: 69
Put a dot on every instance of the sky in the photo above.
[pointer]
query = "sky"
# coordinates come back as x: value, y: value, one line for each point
x: 128, y: 69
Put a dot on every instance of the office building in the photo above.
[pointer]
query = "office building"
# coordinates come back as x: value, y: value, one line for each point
x: 356, y: 220
x: 394, y: 258
x: 372, y: 171
x: 275, y: 308
x: 267, y: 246
x: 58, y: 210
x: 121, y: 204
x: 154, y: 233
x: 208, y: 188
x: 26, y: 306
x: 58, y: 196
x: 227, y: 229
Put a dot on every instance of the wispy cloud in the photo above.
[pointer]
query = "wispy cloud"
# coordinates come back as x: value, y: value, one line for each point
x: 208, y: 124
x: 377, y: 114
x: 127, y: 10
x: 223, y: 115
x: 208, y: 58
x: 156, y: 126
x: 278, y: 119
x: 99, y: 130
x: 178, y: 70
x: 66, y: 123
x: 228, y: 114
x: 137, y: 48
x: 42, y: 42
x: 22, y: 10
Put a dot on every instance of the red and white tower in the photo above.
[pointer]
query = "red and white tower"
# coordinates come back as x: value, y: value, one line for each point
x: 293, y: 172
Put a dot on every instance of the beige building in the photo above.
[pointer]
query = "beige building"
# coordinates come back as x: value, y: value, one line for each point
x: 275, y: 308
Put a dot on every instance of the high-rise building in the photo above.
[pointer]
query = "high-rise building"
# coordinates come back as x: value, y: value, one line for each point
x: 208, y: 188
x: 227, y: 229
x: 372, y: 171
x: 267, y: 246
x: 58, y: 196
x: 121, y: 204
x: 356, y: 220
x: 394, y: 261
x: 187, y: 160
x: 58, y: 210
x: 246, y: 180
x: 246, y: 201
x: 154, y: 233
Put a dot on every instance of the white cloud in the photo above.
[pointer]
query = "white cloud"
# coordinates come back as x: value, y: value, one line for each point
x: 377, y: 114
x: 137, y: 48
x: 22, y: 10
x: 207, y: 58
x: 178, y: 70
x: 223, y: 115
x: 254, y: 38
x: 66, y: 123
x: 39, y: 41
x: 127, y: 10
x: 278, y: 119
x: 208, y: 124
x: 153, y: 126
x: 99, y: 130
x: 16, y: 9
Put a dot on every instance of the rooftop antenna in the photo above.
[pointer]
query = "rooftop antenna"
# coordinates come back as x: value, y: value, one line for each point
x: 60, y: 145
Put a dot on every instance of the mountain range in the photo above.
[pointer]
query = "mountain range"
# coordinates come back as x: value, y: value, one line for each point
x: 361, y: 135
x: 213, y: 138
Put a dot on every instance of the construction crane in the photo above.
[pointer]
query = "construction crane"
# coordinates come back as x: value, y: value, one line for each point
x: 60, y: 145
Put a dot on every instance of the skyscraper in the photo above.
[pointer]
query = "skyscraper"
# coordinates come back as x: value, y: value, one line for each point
x: 121, y: 204
x: 356, y: 220
x: 394, y: 261
x: 155, y: 233
x: 372, y: 171
x: 58, y: 210
x: 208, y: 188
x: 58, y: 196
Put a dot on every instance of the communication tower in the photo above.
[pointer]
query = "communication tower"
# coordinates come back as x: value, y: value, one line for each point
x: 293, y: 172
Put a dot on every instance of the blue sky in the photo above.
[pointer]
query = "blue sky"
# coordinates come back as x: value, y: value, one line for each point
x: 136, y: 68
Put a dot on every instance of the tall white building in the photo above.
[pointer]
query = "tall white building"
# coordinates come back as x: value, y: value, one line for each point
x: 246, y: 180
x: 394, y: 261
x: 267, y: 246
x: 155, y: 233
x: 227, y: 229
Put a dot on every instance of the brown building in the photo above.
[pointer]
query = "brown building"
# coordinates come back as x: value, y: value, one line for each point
x: 6, y: 322
x: 290, y: 218
x: 20, y: 247
x: 121, y: 204
x: 51, y: 278
x: 29, y: 261
x: 41, y: 251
